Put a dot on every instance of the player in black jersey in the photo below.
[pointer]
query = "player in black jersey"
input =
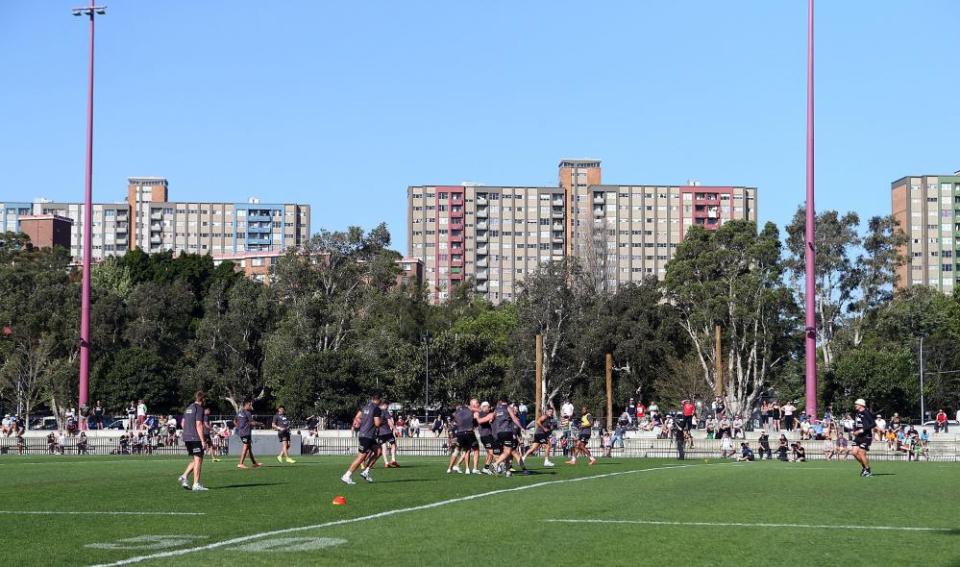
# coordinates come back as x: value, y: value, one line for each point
x: 281, y: 423
x: 366, y: 423
x: 863, y: 424
x: 541, y: 437
x: 466, y: 439
x: 484, y: 419
x: 505, y: 426
x: 386, y: 438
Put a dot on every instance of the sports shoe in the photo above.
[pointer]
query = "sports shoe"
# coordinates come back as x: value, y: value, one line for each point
x: 280, y: 459
x: 394, y: 465
x: 346, y: 479
x: 257, y: 465
x: 866, y: 474
x: 242, y: 466
x: 449, y: 471
x: 216, y: 460
x: 486, y: 471
x: 548, y: 463
x: 184, y: 483
x: 291, y: 461
x: 570, y: 462
x: 593, y: 460
x: 199, y: 488
x: 457, y: 470
x: 507, y: 473
x: 476, y: 471
x: 365, y: 475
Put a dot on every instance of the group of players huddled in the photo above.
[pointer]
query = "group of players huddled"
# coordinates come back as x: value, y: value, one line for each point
x: 497, y: 428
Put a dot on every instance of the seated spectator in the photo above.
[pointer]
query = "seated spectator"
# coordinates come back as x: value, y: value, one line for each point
x: 764, y: 442
x: 746, y: 453
x: 924, y: 438
x: 82, y: 444
x: 724, y: 428
x: 829, y: 449
x: 606, y: 441
x: 738, y: 428
x: 805, y: 429
x: 891, y: 439
x: 799, y: 453
x: 53, y: 443
x: 711, y: 427
x: 783, y: 448
x: 726, y: 447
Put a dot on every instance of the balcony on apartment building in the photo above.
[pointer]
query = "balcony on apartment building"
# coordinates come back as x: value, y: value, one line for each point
x: 598, y: 199
x: 481, y: 262
x: 156, y: 214
x: 482, y: 250
x: 482, y: 225
x: 598, y: 211
x: 482, y: 288
x: 482, y: 236
x: 557, y: 212
x: 481, y: 201
x: 557, y: 201
x: 482, y: 212
x: 259, y: 218
x: 482, y: 274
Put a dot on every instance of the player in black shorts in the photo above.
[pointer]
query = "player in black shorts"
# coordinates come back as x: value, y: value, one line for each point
x: 366, y: 422
x: 504, y: 421
x: 244, y: 429
x: 863, y: 424
x: 281, y: 423
x: 541, y: 437
x: 583, y: 438
x: 207, y: 438
x: 193, y: 441
x: 484, y: 419
x: 466, y: 440
x: 386, y: 438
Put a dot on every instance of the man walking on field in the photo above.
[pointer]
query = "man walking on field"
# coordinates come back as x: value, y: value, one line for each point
x: 245, y: 423
x: 541, y: 437
x: 193, y: 440
x: 863, y: 424
x: 281, y: 423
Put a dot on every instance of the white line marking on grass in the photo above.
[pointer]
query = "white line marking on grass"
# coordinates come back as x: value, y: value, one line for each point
x: 244, y: 539
x: 748, y: 525
x: 94, y: 513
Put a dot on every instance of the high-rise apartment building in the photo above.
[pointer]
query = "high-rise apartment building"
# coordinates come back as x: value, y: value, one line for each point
x: 495, y: 235
x: 148, y: 220
x: 928, y: 210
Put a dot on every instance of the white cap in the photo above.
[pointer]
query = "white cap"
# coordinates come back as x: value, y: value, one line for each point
x: 485, y: 405
x: 860, y: 402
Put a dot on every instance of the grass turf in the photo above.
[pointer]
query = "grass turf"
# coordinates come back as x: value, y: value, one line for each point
x: 515, y: 524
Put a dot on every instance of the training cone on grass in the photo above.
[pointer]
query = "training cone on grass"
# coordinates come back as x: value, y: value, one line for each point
x: 339, y: 501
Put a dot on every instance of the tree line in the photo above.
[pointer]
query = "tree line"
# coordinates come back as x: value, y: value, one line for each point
x: 334, y: 324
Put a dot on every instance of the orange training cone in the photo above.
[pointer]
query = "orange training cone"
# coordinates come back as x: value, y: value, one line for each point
x: 339, y: 501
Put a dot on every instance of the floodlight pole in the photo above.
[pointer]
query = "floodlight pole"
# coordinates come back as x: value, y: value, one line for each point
x: 91, y: 12
x: 810, y: 233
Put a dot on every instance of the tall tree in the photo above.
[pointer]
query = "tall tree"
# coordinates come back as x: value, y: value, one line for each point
x: 732, y: 277
x: 836, y: 275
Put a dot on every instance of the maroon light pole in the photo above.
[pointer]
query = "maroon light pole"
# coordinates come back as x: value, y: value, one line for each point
x: 810, y: 252
x: 92, y: 12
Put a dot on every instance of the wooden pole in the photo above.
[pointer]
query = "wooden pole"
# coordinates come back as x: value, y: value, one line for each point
x: 609, y: 372
x: 539, y: 377
x: 718, y: 359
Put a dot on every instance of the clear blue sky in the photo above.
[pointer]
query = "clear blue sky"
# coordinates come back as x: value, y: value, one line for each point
x: 344, y: 104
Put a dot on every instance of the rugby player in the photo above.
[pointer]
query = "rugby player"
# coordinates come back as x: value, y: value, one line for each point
x: 505, y: 426
x: 466, y: 440
x: 193, y: 441
x: 367, y: 421
x: 541, y: 438
x: 207, y: 435
x: 244, y: 428
x: 385, y: 437
x: 281, y: 423
x: 484, y: 419
x: 583, y: 438
x: 863, y: 424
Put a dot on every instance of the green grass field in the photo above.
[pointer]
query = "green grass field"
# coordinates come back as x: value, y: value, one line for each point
x: 615, y: 513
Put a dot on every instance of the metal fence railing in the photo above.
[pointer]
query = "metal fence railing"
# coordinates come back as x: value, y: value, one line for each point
x: 942, y: 450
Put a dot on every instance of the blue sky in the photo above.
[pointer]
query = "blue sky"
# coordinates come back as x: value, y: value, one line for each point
x: 343, y: 105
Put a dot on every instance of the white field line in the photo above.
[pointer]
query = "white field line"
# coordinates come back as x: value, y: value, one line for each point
x: 244, y: 539
x: 748, y: 525
x: 94, y: 513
